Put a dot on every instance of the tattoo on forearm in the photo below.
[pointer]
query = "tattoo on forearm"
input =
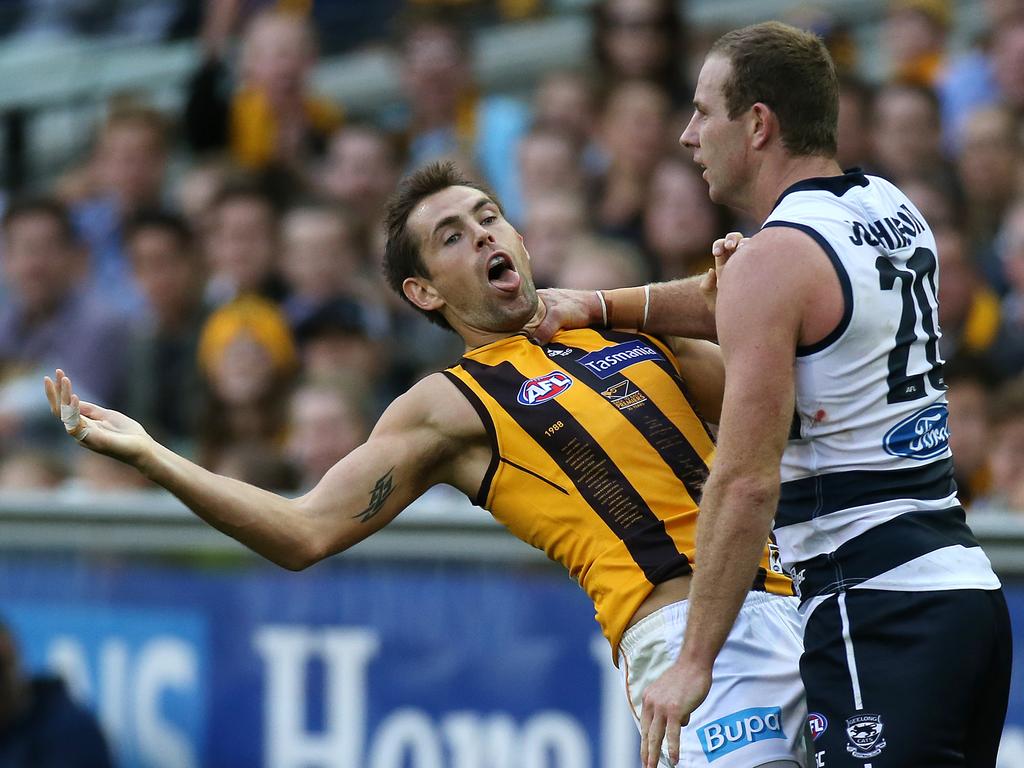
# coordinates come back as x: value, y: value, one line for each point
x: 381, y: 490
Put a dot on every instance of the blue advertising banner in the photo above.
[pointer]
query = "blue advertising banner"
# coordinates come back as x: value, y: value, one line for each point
x: 343, y: 666
x: 383, y: 666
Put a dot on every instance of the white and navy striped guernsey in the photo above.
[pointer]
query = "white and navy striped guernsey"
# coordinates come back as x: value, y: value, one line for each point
x: 868, y: 498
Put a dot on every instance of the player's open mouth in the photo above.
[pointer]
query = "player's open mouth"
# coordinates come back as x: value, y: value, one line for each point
x: 501, y: 273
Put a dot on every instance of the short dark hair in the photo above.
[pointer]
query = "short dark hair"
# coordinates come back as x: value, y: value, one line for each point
x: 542, y: 130
x: 790, y: 70
x: 446, y: 20
x: 390, y: 143
x: 402, y: 257
x: 927, y: 94
x: 41, y: 206
x: 667, y: 22
x: 130, y: 113
x: 171, y: 223
x: 862, y: 92
x: 246, y: 187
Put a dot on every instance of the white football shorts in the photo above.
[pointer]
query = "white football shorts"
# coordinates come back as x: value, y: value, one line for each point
x: 756, y: 712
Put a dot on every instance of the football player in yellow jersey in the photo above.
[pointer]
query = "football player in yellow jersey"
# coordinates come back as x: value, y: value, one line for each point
x: 590, y: 448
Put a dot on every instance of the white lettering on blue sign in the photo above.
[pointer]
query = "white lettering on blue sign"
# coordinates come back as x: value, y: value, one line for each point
x: 609, y: 361
x: 740, y: 729
x: 922, y: 436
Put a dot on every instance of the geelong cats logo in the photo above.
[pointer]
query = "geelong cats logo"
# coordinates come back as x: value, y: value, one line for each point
x: 865, y: 735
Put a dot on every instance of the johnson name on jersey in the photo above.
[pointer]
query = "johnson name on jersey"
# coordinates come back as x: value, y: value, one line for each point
x: 868, y: 498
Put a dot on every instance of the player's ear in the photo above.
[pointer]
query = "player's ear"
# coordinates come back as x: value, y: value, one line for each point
x: 422, y: 293
x: 763, y: 124
x: 524, y: 246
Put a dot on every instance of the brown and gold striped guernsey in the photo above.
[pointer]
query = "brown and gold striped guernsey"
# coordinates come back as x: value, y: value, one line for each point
x: 599, y: 460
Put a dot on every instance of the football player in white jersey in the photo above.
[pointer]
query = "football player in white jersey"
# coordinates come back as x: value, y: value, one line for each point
x: 834, y: 393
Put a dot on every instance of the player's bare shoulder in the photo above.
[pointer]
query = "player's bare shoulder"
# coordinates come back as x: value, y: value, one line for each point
x: 796, y: 266
x: 784, y: 251
x: 451, y: 440
x: 436, y: 403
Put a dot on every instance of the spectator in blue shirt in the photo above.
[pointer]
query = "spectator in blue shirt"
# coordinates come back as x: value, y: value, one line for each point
x: 44, y: 268
x: 40, y: 725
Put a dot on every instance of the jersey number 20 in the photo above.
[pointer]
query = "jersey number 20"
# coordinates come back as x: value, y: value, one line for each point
x: 903, y: 386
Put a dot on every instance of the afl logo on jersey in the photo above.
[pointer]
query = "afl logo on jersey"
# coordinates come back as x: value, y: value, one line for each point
x: 922, y: 436
x: 543, y: 388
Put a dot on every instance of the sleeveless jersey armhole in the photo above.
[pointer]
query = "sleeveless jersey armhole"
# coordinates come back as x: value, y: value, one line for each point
x: 844, y: 283
x: 492, y: 436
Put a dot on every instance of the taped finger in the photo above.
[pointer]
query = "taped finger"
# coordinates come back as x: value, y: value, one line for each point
x: 71, y: 416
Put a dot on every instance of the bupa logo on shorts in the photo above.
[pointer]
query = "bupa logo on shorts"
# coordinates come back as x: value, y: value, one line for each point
x: 817, y: 724
x: 740, y: 729
x: 610, y: 360
x: 865, y: 736
x: 543, y: 388
x: 922, y: 436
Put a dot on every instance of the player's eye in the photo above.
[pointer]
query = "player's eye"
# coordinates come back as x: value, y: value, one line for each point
x: 489, y: 219
x: 452, y: 239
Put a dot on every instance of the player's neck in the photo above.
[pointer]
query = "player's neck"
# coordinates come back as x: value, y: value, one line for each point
x: 474, y: 339
x: 783, y: 172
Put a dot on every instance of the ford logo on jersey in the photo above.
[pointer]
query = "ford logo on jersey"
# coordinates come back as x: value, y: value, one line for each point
x: 610, y: 360
x: 543, y: 388
x: 922, y: 436
x: 740, y: 729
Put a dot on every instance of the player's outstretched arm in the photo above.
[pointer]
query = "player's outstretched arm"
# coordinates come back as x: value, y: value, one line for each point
x: 676, y: 308
x: 410, y: 449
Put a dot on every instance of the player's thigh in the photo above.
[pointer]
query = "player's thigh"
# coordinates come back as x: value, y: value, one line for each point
x: 988, y: 712
x: 755, y: 713
x: 893, y: 678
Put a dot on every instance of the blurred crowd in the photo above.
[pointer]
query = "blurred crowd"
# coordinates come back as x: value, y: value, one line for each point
x: 216, y: 273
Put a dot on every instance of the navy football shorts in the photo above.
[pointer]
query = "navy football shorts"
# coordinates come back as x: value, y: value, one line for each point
x: 907, y: 679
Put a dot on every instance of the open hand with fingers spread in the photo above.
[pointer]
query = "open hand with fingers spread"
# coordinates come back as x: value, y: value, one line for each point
x: 104, y: 431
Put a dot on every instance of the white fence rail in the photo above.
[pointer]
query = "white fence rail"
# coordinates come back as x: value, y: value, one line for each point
x: 442, y: 525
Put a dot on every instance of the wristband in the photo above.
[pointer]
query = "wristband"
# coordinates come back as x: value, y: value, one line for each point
x: 647, y: 305
x: 604, y: 309
x: 628, y: 307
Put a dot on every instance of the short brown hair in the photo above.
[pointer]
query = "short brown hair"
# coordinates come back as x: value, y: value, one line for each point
x: 790, y: 71
x: 402, y: 257
x: 41, y: 206
x: 131, y: 114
